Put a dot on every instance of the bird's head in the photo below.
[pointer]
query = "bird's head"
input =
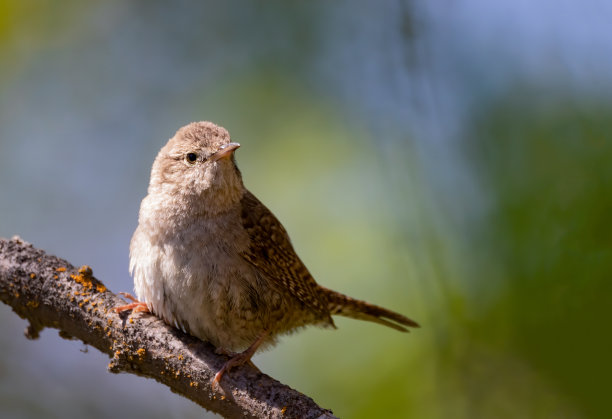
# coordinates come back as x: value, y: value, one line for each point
x: 197, y: 165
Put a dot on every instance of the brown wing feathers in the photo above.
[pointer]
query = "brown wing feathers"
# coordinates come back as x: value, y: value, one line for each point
x: 272, y: 253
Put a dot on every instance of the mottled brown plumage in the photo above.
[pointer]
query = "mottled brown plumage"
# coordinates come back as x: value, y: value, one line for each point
x: 210, y: 258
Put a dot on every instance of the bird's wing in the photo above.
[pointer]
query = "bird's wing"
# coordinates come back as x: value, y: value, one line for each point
x: 270, y: 251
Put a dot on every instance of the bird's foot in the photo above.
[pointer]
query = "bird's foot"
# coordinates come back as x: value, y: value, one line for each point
x: 231, y: 354
x: 238, y: 359
x: 234, y: 361
x: 136, y: 306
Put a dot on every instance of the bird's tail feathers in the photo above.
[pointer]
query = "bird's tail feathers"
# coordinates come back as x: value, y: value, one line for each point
x: 344, y: 305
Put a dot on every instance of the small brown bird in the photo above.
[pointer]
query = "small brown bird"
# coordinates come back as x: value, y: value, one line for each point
x: 211, y: 259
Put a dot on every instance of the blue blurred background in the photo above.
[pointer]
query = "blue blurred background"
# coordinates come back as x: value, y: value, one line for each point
x: 449, y: 160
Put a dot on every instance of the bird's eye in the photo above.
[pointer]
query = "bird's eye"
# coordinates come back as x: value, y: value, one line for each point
x: 191, y: 158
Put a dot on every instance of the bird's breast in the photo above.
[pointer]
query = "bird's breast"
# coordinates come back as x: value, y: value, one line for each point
x: 195, y: 279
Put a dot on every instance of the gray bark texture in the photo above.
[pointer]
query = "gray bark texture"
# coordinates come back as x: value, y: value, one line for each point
x: 50, y: 292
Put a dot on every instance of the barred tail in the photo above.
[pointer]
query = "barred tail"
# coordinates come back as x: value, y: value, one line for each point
x: 356, y: 309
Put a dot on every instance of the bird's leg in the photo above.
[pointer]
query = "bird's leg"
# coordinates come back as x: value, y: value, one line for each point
x: 223, y: 351
x: 240, y: 358
x: 136, y: 306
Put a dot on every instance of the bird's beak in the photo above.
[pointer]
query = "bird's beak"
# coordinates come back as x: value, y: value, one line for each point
x: 225, y: 151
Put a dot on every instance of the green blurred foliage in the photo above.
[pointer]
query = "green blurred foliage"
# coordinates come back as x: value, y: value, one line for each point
x: 545, y: 161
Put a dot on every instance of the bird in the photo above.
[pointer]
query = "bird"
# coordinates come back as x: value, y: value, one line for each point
x: 209, y: 258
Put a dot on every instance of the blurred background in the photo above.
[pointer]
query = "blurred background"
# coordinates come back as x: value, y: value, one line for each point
x: 451, y: 160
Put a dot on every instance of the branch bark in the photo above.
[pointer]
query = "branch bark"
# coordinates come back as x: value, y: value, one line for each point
x: 50, y: 292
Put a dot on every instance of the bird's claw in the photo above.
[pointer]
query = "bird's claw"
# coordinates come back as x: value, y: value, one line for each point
x: 136, y: 306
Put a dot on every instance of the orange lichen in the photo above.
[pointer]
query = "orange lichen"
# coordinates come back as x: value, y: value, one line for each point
x: 180, y: 357
x: 141, y: 353
x: 32, y: 275
x: 55, y: 277
x: 88, y: 284
x: 62, y: 269
x: 283, y: 410
x: 84, y: 281
x: 131, y: 320
x: 85, y: 270
x: 194, y: 384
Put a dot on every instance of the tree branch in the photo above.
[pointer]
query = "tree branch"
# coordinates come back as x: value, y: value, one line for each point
x: 49, y: 292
